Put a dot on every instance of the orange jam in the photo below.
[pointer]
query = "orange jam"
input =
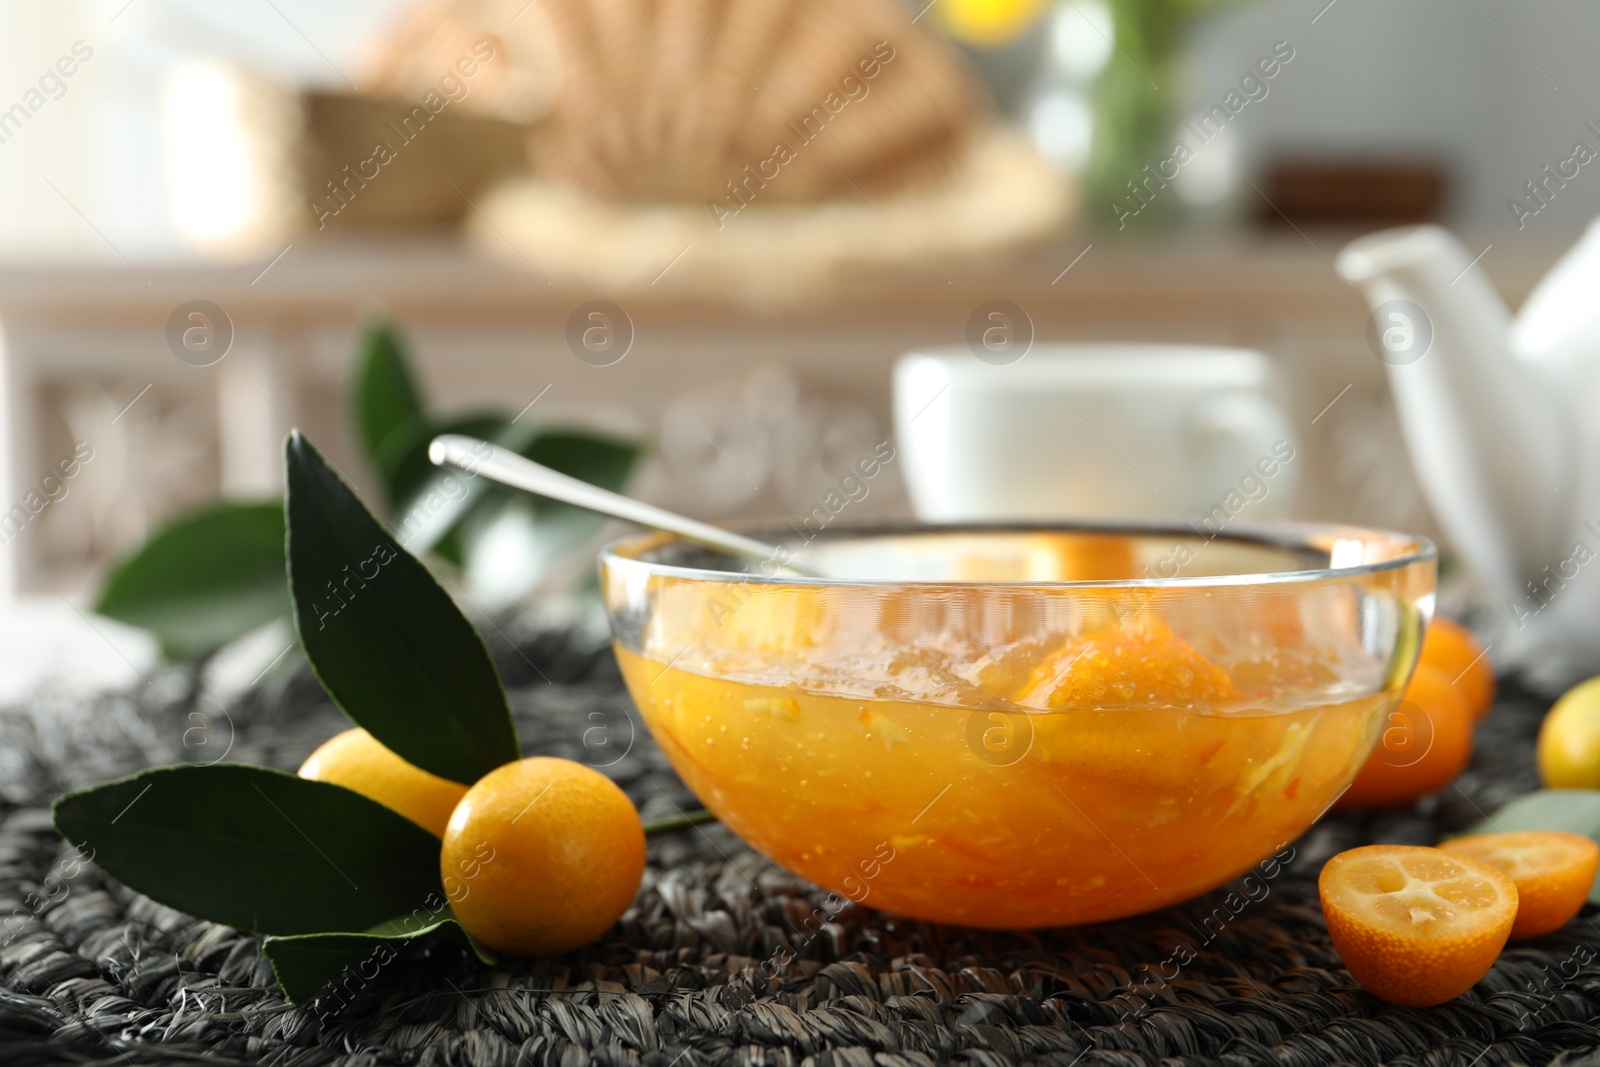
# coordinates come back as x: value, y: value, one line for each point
x: 1052, y: 781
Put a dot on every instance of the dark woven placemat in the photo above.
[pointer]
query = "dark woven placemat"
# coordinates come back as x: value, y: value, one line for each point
x: 90, y: 973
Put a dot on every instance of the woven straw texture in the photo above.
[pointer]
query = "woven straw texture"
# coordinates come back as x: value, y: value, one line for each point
x: 90, y: 973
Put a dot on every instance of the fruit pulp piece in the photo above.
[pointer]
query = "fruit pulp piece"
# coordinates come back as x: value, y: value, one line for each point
x: 1118, y: 667
x: 1416, y: 926
x: 1080, y: 557
x: 1076, y: 816
x: 1552, y: 870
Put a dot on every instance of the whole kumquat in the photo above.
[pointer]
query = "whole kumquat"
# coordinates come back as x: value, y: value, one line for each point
x: 1569, y: 739
x: 355, y: 760
x: 1451, y: 648
x: 1416, y: 926
x: 1552, y: 871
x: 542, y: 856
x: 1426, y: 742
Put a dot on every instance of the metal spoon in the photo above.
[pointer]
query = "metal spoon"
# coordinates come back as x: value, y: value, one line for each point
x: 509, y: 469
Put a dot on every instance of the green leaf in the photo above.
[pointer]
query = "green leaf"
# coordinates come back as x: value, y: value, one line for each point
x: 254, y: 848
x: 1577, y: 811
x: 385, y: 397
x: 448, y: 508
x: 206, y: 578
x: 406, y: 451
x: 387, y: 643
x: 304, y: 963
x: 430, y: 501
x: 596, y: 459
x: 601, y: 461
x: 511, y: 541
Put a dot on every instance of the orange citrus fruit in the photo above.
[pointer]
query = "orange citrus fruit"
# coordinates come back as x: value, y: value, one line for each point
x: 1426, y: 742
x: 1120, y: 668
x: 1569, y: 739
x: 542, y: 856
x: 1079, y: 557
x: 1091, y: 683
x: 1451, y: 648
x: 1416, y: 926
x: 1552, y: 871
x: 355, y: 760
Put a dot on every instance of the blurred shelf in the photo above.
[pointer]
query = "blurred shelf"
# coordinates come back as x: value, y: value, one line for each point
x: 1251, y: 272
x: 490, y: 331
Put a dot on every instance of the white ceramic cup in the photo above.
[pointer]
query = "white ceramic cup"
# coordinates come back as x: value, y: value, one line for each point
x: 1094, y: 431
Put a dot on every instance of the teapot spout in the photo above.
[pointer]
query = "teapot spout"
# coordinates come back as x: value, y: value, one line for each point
x: 1488, y: 435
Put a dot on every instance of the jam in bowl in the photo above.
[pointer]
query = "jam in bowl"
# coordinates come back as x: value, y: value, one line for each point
x: 1022, y: 726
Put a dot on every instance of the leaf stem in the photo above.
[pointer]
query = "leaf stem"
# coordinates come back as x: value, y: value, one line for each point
x: 678, y: 822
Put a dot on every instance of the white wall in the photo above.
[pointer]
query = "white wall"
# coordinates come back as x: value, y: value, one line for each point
x: 52, y: 144
x: 100, y: 143
x: 1428, y: 75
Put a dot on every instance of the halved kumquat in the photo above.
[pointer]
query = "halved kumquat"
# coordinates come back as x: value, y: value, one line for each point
x: 1416, y: 926
x: 1552, y: 871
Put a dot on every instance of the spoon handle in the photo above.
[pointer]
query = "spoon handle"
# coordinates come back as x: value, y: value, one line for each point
x: 507, y: 468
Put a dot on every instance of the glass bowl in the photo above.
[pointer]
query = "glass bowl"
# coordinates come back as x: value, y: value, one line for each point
x: 1021, y: 726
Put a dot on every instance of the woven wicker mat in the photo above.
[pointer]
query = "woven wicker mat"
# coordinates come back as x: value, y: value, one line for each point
x: 95, y: 974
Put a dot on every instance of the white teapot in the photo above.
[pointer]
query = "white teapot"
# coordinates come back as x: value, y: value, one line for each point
x: 1502, y: 420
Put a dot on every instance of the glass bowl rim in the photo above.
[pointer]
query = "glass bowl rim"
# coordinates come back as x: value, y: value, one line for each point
x: 1286, y: 535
